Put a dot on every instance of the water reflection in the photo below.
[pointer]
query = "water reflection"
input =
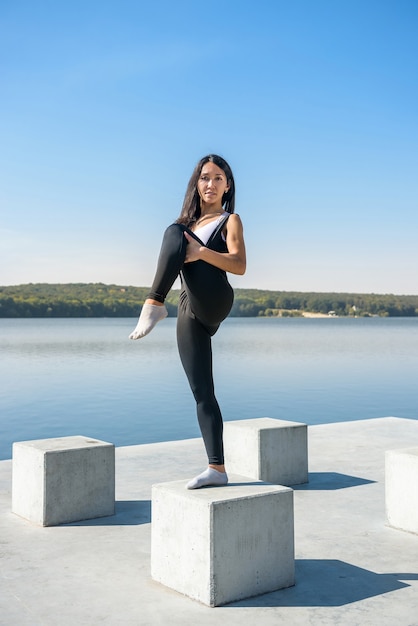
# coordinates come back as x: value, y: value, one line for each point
x: 83, y: 376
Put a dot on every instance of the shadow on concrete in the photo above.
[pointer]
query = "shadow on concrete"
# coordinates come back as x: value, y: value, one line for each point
x: 328, y: 582
x: 328, y: 481
x: 127, y: 513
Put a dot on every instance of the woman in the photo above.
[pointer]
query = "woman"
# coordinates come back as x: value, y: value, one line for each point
x: 205, y: 242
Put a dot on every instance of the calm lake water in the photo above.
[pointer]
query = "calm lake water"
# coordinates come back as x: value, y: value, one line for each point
x: 83, y: 376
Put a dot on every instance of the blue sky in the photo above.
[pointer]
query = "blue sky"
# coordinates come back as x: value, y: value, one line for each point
x: 105, y: 107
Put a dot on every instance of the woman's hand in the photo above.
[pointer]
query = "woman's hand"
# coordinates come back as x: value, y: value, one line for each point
x: 193, y: 249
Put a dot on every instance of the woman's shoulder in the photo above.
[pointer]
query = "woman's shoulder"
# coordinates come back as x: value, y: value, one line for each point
x: 233, y: 226
x: 234, y: 219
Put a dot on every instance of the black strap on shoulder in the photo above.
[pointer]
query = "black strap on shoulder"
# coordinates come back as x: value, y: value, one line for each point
x: 218, y: 228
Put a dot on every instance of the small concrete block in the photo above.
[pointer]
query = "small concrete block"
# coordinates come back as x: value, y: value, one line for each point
x: 275, y: 451
x: 401, y: 488
x: 62, y: 480
x: 222, y: 544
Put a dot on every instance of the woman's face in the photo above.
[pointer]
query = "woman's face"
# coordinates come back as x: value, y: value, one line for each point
x: 211, y: 186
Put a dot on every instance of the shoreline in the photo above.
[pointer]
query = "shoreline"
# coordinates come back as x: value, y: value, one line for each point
x: 321, y: 315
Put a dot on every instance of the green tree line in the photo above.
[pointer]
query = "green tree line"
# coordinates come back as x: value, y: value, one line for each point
x: 100, y: 300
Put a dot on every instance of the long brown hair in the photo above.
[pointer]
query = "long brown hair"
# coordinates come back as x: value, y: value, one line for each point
x: 191, y: 209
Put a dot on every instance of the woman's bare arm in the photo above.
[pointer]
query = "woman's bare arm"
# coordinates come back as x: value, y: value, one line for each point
x: 233, y: 261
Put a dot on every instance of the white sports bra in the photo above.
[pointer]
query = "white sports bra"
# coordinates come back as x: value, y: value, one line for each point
x: 204, y: 232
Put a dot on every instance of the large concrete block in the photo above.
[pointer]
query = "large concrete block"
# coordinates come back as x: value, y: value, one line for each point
x: 275, y: 451
x: 68, y: 479
x: 221, y: 544
x: 401, y: 488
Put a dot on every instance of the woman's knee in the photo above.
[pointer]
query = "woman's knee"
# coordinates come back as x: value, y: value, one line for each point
x: 174, y: 241
x: 174, y: 231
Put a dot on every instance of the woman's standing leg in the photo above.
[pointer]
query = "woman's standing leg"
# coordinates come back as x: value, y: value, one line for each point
x: 195, y: 349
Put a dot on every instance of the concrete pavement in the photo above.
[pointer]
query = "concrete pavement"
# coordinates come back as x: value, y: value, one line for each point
x: 351, y: 568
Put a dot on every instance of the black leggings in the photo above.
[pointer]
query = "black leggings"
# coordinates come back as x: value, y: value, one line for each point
x: 205, y: 301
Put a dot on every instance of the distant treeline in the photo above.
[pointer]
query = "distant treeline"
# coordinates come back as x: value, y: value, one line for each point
x: 99, y: 300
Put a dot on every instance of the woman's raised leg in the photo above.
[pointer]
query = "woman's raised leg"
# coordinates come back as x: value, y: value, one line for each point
x: 170, y: 262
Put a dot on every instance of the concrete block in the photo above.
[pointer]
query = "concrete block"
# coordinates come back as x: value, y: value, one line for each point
x: 272, y: 450
x: 401, y: 488
x: 68, y: 479
x: 221, y: 544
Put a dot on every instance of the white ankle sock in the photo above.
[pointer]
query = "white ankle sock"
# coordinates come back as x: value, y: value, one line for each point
x: 151, y: 314
x: 207, y: 478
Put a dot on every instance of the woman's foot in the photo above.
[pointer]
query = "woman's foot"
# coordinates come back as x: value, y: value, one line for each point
x: 209, y: 478
x: 151, y: 314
